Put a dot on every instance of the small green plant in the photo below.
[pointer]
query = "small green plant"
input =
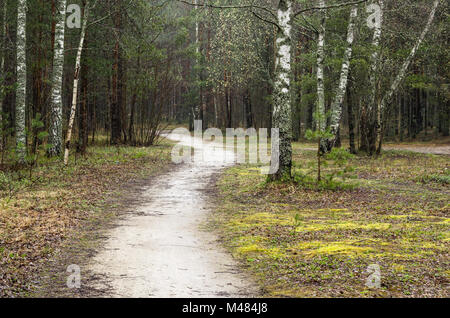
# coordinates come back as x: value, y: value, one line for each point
x: 330, y: 166
x: 298, y: 221
x: 317, y: 136
x: 32, y: 158
x: 442, y: 178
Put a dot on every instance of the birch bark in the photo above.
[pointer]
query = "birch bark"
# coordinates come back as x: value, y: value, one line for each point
x: 320, y: 119
x: 368, y: 112
x: 401, y: 75
x: 282, y: 99
x: 75, y: 83
x: 21, y: 80
x: 56, y: 106
x: 337, y: 104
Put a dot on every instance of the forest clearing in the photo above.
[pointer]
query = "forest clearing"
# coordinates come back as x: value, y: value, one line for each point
x: 229, y: 149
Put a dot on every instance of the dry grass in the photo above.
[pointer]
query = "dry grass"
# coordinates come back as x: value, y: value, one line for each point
x: 36, y: 222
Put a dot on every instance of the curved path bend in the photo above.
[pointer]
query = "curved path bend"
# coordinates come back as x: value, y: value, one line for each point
x: 159, y: 250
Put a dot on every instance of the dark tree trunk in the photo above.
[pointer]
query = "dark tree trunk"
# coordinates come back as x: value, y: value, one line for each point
x: 248, y: 108
x: 116, y: 100
x: 83, y: 113
x: 351, y: 120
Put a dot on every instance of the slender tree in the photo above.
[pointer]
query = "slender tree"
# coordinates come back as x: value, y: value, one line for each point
x: 320, y: 120
x: 337, y: 104
x: 75, y: 82
x: 21, y: 90
x: 281, y: 97
x: 401, y: 75
x: 56, y: 103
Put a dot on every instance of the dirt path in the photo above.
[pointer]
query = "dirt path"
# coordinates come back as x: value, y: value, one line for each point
x: 159, y: 250
x: 427, y: 149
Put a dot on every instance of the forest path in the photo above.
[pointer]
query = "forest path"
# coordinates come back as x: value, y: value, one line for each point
x: 159, y: 250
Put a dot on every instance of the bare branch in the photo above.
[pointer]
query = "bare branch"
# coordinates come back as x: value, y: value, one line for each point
x: 244, y: 6
x: 329, y: 7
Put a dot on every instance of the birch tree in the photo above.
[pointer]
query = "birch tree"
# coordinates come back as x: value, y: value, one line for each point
x: 367, y: 113
x: 75, y: 82
x: 282, y: 18
x: 321, y: 119
x: 337, y: 104
x: 21, y: 80
x: 401, y: 76
x: 282, y: 98
x: 56, y: 106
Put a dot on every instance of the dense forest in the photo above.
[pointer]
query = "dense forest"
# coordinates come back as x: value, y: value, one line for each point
x: 126, y: 68
x: 357, y: 91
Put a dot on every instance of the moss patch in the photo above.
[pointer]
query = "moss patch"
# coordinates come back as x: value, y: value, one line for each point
x: 309, y: 243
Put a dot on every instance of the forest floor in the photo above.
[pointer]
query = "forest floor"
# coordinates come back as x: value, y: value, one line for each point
x: 56, y: 214
x: 295, y: 242
x: 302, y: 242
x: 159, y: 248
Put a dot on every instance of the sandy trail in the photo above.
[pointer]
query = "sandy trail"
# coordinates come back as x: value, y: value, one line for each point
x: 159, y: 250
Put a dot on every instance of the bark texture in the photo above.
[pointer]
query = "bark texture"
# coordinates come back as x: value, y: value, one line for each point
x: 75, y: 83
x: 401, y: 75
x: 282, y: 99
x: 320, y: 119
x: 337, y: 104
x: 21, y: 92
x: 56, y: 104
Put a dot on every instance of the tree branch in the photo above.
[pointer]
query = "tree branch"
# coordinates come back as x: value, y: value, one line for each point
x: 329, y: 7
x: 244, y: 6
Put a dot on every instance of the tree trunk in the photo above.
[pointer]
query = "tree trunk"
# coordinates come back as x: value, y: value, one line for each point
x: 401, y: 75
x: 337, y: 104
x: 351, y: 120
x: 116, y: 103
x: 83, y: 113
x: 282, y: 112
x: 197, y: 108
x: 248, y: 108
x: 320, y: 112
x: 21, y: 90
x: 368, y: 116
x: 2, y: 79
x: 75, y: 83
x: 56, y: 103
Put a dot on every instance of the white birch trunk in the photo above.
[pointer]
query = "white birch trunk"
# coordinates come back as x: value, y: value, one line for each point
x: 75, y: 83
x: 337, y: 104
x: 282, y: 97
x: 402, y: 73
x: 320, y: 119
x: 21, y: 80
x: 374, y: 65
x: 56, y: 106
